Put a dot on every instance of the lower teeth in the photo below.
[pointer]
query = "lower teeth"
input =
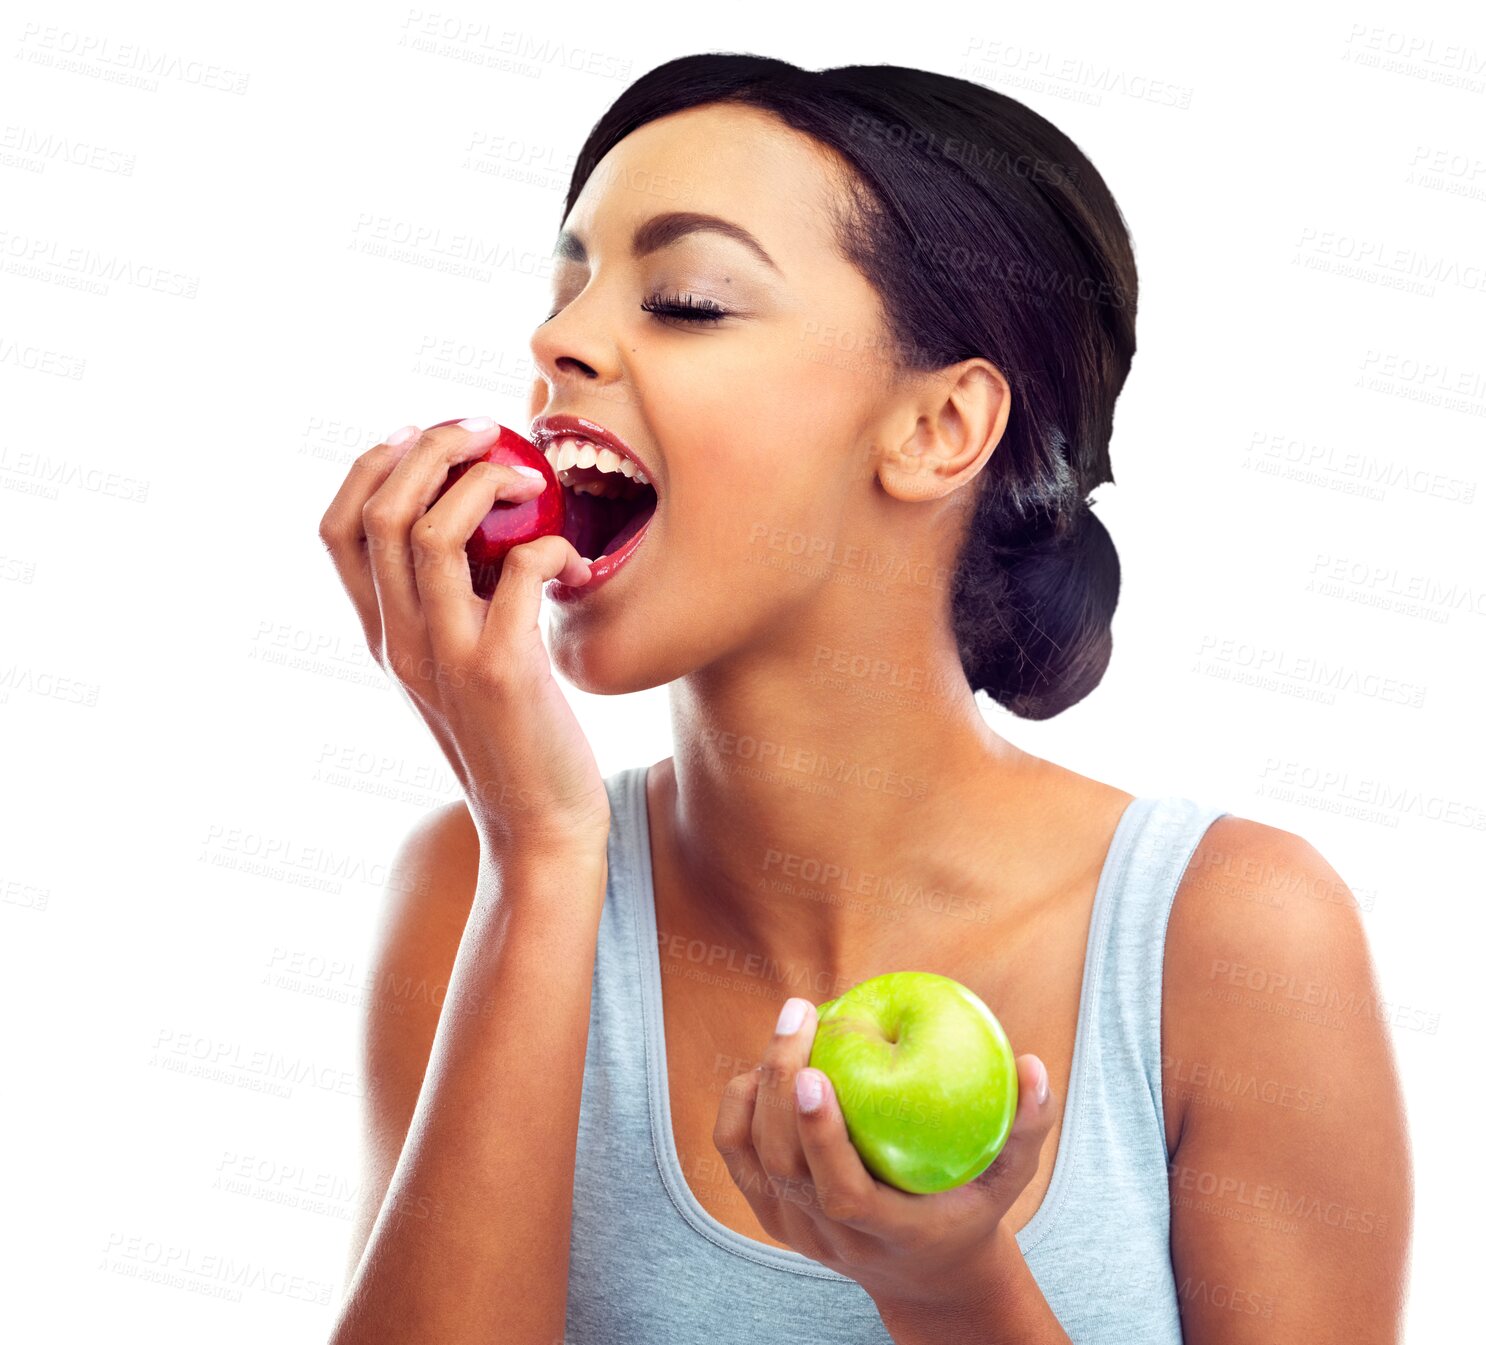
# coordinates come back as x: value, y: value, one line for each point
x: 606, y: 487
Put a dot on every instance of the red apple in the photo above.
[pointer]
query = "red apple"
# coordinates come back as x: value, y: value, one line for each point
x: 510, y: 522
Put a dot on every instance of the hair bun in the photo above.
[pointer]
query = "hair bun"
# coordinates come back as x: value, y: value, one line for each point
x: 1036, y: 617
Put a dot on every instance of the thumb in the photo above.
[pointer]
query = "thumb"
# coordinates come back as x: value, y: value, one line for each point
x: 1034, y: 1106
x: 518, y: 592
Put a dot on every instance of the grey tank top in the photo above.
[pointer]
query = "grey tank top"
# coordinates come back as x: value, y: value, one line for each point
x: 650, y: 1266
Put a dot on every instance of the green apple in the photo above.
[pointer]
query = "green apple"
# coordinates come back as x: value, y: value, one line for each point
x: 924, y: 1075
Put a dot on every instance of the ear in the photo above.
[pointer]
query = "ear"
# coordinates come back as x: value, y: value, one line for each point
x: 956, y: 417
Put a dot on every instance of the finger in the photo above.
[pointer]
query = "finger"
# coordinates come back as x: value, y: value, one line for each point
x: 732, y: 1137
x: 344, y: 534
x: 776, y: 1133
x: 441, y: 566
x: 1017, y: 1162
x: 388, y: 517
x: 518, y: 592
x: 844, y: 1190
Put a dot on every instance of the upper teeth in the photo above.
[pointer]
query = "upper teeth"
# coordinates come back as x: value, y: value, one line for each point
x: 573, y: 451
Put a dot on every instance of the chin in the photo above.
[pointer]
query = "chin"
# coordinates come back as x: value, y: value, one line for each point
x: 603, y: 665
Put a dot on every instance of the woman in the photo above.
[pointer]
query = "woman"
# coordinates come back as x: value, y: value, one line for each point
x: 863, y: 331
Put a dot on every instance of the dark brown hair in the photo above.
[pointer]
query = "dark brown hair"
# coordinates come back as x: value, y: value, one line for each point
x: 985, y: 232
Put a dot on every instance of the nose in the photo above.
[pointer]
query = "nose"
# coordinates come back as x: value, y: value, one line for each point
x: 570, y: 366
x: 570, y: 350
x: 564, y: 347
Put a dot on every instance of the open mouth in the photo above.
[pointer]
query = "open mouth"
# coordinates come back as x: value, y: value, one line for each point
x: 607, y: 497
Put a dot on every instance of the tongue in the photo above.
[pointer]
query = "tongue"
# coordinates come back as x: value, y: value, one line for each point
x: 596, y: 525
x: 640, y: 519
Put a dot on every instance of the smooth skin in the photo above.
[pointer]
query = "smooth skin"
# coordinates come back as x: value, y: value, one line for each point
x: 811, y: 509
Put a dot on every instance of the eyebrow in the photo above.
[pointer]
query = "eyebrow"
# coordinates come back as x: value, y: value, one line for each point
x: 661, y: 231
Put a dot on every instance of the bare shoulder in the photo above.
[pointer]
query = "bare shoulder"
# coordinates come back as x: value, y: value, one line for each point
x: 1265, y: 941
x: 1269, y: 987
x: 432, y: 880
x: 425, y: 905
x: 430, y: 890
x: 1259, y: 908
x: 1291, y: 1171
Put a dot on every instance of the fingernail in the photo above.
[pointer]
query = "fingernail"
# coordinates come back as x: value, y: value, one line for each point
x: 808, y: 1092
x: 477, y: 423
x: 790, y: 1017
x: 399, y: 437
x: 1043, y: 1087
x: 527, y: 471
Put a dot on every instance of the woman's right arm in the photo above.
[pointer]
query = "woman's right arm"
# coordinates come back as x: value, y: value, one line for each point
x: 471, y: 1239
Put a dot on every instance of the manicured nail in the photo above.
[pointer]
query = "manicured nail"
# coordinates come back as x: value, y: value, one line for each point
x: 808, y: 1092
x: 790, y: 1017
x: 1043, y: 1087
x: 477, y: 423
x: 527, y: 471
x: 399, y: 437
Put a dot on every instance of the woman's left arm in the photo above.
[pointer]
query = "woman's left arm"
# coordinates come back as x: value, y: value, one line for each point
x: 1291, y: 1200
x: 1291, y: 1180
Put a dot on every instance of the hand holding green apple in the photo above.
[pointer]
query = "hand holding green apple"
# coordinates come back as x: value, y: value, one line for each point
x: 905, y: 1081
x: 924, y: 1076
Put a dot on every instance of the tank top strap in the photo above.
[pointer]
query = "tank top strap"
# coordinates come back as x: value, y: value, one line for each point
x: 1131, y: 951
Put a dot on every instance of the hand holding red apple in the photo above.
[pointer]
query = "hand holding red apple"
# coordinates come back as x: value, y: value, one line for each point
x: 510, y: 522
x: 476, y: 671
x: 808, y: 1186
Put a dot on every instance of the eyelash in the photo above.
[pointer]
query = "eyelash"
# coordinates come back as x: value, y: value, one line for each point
x: 675, y: 308
x: 678, y: 309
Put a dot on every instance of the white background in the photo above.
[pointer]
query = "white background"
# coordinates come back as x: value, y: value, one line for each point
x: 205, y: 774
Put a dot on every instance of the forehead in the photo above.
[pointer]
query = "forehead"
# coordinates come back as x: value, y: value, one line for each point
x: 738, y: 162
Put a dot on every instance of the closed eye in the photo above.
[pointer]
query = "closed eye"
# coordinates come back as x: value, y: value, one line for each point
x: 681, y: 308
x: 672, y: 308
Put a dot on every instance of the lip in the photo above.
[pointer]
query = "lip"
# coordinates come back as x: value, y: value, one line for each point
x: 544, y: 429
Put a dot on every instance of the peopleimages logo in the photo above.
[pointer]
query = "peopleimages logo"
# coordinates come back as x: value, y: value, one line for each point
x: 807, y: 761
x: 989, y: 158
x: 127, y: 63
x: 1277, y: 1200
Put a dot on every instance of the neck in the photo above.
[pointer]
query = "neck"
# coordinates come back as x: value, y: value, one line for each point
x: 828, y: 812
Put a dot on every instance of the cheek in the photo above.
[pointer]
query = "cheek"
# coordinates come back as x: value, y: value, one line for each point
x: 759, y: 485
x: 751, y: 508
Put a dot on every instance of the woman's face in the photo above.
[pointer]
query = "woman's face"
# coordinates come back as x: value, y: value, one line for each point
x: 762, y: 429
